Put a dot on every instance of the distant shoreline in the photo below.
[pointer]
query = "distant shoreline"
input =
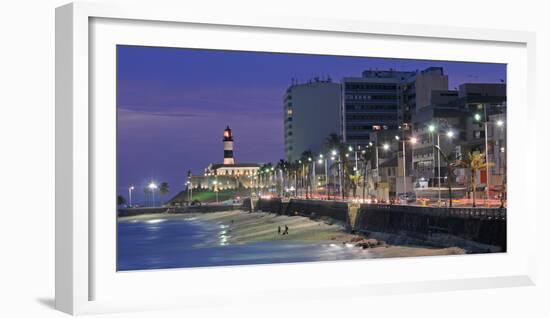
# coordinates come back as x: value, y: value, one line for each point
x: 255, y: 227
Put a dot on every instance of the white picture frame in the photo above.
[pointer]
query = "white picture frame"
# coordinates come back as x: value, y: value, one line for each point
x: 77, y: 167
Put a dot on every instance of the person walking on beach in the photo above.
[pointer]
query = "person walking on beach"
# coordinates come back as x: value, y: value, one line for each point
x: 279, y: 230
x: 286, y: 230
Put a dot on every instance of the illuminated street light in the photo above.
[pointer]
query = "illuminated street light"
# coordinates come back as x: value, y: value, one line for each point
x: 413, y: 140
x: 386, y: 146
x: 130, y: 189
x: 152, y: 186
x: 477, y: 117
x: 396, y: 137
x: 500, y: 123
x: 320, y: 161
x: 350, y: 148
x: 450, y: 134
x: 334, y: 152
x: 431, y: 128
x: 215, y: 182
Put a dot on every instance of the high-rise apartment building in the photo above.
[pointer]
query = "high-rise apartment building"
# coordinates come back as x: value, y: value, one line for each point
x: 386, y: 99
x: 311, y: 113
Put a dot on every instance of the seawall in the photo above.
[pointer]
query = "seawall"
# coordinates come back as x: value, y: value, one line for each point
x: 480, y: 225
x: 187, y: 209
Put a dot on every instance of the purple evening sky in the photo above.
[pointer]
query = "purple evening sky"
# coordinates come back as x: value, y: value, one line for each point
x: 173, y: 105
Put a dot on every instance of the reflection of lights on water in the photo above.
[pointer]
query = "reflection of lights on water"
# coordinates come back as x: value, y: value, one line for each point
x: 155, y: 221
x: 223, y: 239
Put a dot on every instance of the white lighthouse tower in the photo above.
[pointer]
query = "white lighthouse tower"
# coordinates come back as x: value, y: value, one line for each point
x: 228, y: 147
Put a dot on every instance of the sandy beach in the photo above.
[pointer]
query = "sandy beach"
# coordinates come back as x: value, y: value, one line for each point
x: 256, y: 227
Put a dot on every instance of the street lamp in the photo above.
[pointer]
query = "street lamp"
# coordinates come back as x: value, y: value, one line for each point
x: 386, y: 146
x: 320, y: 161
x: 152, y: 186
x: 130, y: 189
x: 413, y: 142
x: 477, y: 117
x: 215, y: 182
x: 431, y: 129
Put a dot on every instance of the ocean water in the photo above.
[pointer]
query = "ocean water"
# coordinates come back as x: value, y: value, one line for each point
x: 171, y: 243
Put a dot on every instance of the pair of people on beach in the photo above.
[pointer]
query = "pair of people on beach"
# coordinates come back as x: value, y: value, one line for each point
x: 285, y: 231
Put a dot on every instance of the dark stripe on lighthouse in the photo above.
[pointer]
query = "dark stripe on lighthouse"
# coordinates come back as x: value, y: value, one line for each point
x: 228, y: 153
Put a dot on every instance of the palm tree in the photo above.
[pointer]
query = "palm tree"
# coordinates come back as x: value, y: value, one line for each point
x: 306, y: 171
x: 354, y: 180
x: 475, y: 162
x: 333, y: 142
x: 265, y: 171
x: 163, y: 190
x: 365, y: 157
x: 280, y: 168
x: 451, y: 164
x: 120, y: 200
x: 295, y: 169
x: 146, y: 191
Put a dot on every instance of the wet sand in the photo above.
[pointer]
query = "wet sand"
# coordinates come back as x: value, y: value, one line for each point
x: 263, y: 227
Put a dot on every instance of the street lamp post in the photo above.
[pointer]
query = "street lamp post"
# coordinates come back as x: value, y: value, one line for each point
x: 413, y: 142
x: 487, y: 156
x: 333, y: 158
x: 477, y: 117
x: 311, y: 178
x: 376, y: 151
x: 152, y: 187
x: 130, y: 189
x: 404, y: 169
x: 326, y: 178
x: 215, y: 182
x: 431, y: 129
x: 438, y: 172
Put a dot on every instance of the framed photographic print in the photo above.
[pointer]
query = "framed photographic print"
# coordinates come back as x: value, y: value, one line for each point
x: 224, y: 153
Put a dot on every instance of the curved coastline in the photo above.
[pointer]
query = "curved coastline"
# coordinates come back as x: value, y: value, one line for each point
x: 241, y: 228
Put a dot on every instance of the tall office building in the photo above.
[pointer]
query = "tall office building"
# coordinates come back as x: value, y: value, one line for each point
x: 385, y: 100
x: 311, y: 113
x: 454, y: 112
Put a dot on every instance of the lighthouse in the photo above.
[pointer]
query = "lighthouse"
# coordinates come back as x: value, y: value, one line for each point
x: 228, y: 147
